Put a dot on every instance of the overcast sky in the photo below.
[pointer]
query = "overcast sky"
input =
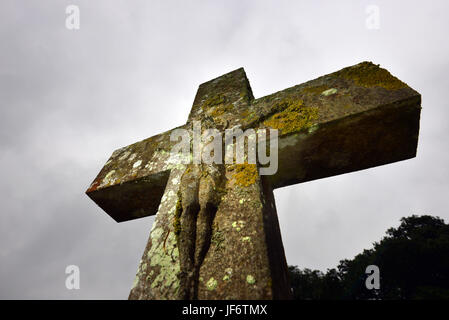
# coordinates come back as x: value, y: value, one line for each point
x: 70, y: 97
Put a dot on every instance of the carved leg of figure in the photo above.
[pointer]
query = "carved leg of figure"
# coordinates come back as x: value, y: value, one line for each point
x: 209, y: 199
x: 186, y: 240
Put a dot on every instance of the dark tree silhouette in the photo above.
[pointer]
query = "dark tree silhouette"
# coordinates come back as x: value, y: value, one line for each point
x: 314, y: 285
x: 413, y: 260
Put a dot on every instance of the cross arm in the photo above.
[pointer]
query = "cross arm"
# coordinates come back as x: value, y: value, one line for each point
x: 133, y: 180
x: 353, y: 119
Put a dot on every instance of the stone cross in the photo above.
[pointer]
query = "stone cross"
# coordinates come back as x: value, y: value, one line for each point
x: 216, y: 234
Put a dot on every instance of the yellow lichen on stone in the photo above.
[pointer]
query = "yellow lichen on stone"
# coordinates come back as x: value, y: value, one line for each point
x: 250, y: 279
x: 329, y: 92
x: 238, y: 225
x: 220, y: 110
x: 245, y: 93
x: 177, y: 218
x: 211, y: 284
x: 217, y: 237
x: 245, y: 174
x: 293, y: 117
x: 248, y: 116
x: 213, y: 101
x: 315, y: 90
x: 367, y: 74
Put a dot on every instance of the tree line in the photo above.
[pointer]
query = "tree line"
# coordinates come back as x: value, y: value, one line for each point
x: 413, y: 260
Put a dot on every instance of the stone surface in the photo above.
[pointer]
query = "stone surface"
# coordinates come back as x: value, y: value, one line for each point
x: 216, y: 233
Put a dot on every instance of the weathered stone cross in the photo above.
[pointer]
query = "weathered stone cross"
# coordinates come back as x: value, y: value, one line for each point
x: 231, y: 247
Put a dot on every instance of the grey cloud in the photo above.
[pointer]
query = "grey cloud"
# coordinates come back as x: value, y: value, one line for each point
x: 69, y: 98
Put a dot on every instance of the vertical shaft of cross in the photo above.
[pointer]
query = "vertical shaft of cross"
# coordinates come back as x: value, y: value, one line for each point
x: 158, y: 272
x: 216, y: 219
